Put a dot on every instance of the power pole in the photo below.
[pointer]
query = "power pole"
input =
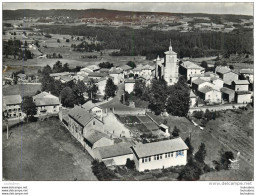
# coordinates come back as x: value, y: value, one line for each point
x: 7, y: 135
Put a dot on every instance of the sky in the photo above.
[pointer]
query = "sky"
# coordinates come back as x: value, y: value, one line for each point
x: 210, y: 8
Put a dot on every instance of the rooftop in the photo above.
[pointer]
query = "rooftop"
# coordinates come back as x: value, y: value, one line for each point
x: 191, y: 65
x: 12, y: 99
x: 192, y: 94
x: 161, y: 147
x: 126, y: 67
x: 246, y: 71
x: 80, y: 115
x: 242, y: 92
x: 115, y: 150
x: 205, y: 89
x: 66, y: 78
x: 227, y: 90
x: 223, y: 70
x: 198, y: 81
x: 97, y: 74
x: 60, y: 74
x: 241, y: 82
x: 89, y: 105
x: 93, y: 136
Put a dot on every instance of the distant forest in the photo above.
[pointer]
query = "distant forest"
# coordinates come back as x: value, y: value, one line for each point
x: 151, y: 43
x: 108, y: 14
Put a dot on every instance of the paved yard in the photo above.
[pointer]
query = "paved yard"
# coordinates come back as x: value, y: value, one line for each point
x: 44, y: 151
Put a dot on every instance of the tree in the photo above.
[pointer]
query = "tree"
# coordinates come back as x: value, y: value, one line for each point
x: 191, y: 171
x: 110, y: 89
x: 190, y: 147
x: 92, y: 89
x: 131, y: 64
x: 57, y: 67
x: 130, y: 164
x: 157, y: 96
x: 204, y: 65
x: 58, y: 41
x: 100, y: 170
x: 67, y: 97
x: 66, y: 68
x: 47, y: 70
x: 225, y: 162
x: 28, y: 107
x: 67, y: 40
x: 201, y: 153
x: 178, y: 99
x: 231, y: 67
x: 80, y: 88
x: 175, y: 132
x: 139, y: 88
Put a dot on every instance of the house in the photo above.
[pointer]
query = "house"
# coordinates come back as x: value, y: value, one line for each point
x: 127, y: 70
x: 57, y: 76
x: 199, y: 83
x: 66, y: 79
x: 117, y: 74
x: 160, y: 155
x: 46, y: 103
x: 21, y: 77
x: 217, y: 83
x: 209, y: 94
x: 93, y: 109
x: 243, y: 97
x: 129, y: 85
x: 12, y: 107
x: 94, y: 139
x: 146, y: 79
x: 96, y: 75
x: 247, y: 74
x: 188, y: 68
x: 240, y: 85
x: 80, y: 121
x: 193, y: 99
x: 116, y: 154
x: 164, y: 128
x: 228, y: 94
x: 226, y: 74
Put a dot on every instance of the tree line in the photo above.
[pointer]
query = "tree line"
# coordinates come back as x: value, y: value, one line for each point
x: 151, y: 43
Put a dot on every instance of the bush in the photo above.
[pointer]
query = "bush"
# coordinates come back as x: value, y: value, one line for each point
x: 102, y: 172
x: 130, y: 164
x: 175, y: 132
x: 198, y: 114
x: 32, y: 119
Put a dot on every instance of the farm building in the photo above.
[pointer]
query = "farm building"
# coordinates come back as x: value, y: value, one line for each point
x: 199, y: 83
x: 117, y: 75
x: 243, y: 97
x: 115, y: 154
x: 188, y: 68
x: 12, y: 106
x: 159, y: 155
x: 209, y: 94
x: 228, y: 94
x: 240, y: 85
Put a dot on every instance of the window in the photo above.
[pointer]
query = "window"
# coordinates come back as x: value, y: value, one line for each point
x: 149, y: 159
x: 93, y: 122
x: 172, y: 154
x: 54, y: 106
x: 160, y: 156
x: 154, y: 157
x: 168, y: 155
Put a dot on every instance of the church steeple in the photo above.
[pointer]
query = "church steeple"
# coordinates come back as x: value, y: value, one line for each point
x: 170, y: 47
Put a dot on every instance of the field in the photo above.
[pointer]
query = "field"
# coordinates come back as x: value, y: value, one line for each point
x: 233, y: 131
x: 22, y: 89
x: 44, y: 151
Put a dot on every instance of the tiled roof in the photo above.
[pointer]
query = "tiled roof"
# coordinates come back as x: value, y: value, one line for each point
x: 246, y: 71
x: 192, y: 94
x: 223, y: 70
x: 126, y: 67
x: 115, y: 150
x: 242, y: 92
x: 191, y: 65
x: 161, y: 147
x: 205, y: 89
x: 97, y: 74
x: 66, y: 78
x: 198, y: 81
x: 89, y: 105
x: 115, y: 71
x: 241, y: 82
x: 12, y: 99
x: 80, y: 115
x: 227, y: 90
x: 93, y: 136
x: 60, y: 74
x: 47, y: 101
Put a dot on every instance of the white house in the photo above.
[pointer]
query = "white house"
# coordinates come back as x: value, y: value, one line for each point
x: 217, y: 83
x: 93, y: 109
x: 247, y: 74
x: 209, y: 94
x: 243, y: 97
x: 46, y: 103
x: 129, y: 85
x: 12, y: 107
x: 188, y: 68
x: 240, y: 85
x: 158, y: 155
x: 199, y: 83
x: 115, y: 154
x: 118, y: 76
x: 193, y: 99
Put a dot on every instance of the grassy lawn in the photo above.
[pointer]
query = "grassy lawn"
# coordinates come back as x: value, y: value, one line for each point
x: 22, y: 89
x: 43, y: 151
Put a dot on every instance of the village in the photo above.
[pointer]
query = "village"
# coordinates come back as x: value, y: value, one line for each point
x: 109, y: 106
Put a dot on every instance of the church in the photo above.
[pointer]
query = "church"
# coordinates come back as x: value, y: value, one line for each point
x: 167, y: 68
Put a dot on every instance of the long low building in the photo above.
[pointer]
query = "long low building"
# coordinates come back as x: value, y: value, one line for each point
x: 158, y: 155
